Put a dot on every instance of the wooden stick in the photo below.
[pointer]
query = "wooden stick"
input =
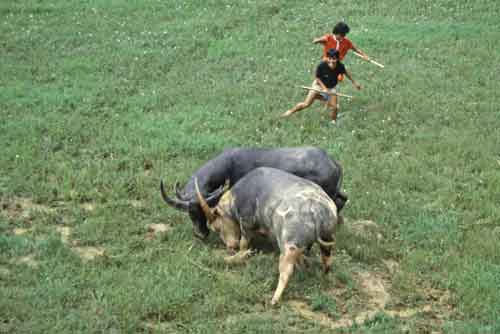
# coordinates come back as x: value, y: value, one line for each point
x: 369, y: 60
x: 320, y: 91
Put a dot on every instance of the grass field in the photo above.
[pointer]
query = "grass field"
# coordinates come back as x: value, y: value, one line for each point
x: 99, y: 100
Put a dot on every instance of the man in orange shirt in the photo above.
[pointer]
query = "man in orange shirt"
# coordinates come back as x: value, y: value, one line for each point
x: 338, y: 41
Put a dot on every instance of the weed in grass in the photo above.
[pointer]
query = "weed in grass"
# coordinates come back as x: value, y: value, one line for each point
x: 324, y: 303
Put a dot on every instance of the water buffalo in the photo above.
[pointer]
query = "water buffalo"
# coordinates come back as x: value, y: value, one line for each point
x: 293, y: 212
x: 310, y: 163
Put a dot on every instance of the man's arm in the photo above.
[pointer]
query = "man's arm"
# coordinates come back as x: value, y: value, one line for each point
x: 320, y: 40
x: 348, y: 74
x: 321, y: 84
x: 358, y: 50
x: 324, y: 92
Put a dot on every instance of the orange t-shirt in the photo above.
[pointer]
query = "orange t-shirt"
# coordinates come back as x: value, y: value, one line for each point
x: 332, y: 43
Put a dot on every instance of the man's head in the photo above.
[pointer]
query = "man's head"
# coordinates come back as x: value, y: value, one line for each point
x: 332, y: 53
x: 340, y: 30
x: 332, y: 57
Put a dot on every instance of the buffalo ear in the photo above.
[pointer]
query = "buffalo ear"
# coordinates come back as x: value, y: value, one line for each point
x: 219, y: 212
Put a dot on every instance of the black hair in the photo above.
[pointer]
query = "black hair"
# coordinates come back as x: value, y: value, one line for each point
x: 332, y: 53
x: 341, y: 28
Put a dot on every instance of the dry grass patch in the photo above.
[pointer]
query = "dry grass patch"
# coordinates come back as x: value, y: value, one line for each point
x: 20, y: 231
x: 155, y: 230
x: 88, y: 253
x: 28, y: 260
x: 88, y: 206
x: 136, y: 203
x: 375, y: 286
x: 364, y: 228
x: 23, y: 208
x: 375, y: 294
x: 4, y: 273
x: 65, y: 233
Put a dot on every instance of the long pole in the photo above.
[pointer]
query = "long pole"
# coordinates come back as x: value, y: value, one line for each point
x: 369, y: 60
x: 320, y: 91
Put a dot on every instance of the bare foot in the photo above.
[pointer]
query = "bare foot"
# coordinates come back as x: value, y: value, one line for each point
x: 287, y: 113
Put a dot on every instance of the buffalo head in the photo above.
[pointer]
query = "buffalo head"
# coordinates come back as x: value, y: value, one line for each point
x: 219, y: 221
x: 192, y: 206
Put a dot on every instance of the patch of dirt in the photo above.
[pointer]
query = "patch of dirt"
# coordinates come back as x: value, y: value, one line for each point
x: 85, y: 253
x: 65, y: 233
x: 20, y: 231
x: 364, y: 228
x: 89, y: 253
x: 159, y: 326
x: 28, y: 260
x: 156, y: 229
x: 375, y: 287
x: 305, y: 311
x: 4, y: 273
x: 23, y: 208
x: 391, y: 265
x: 88, y: 206
x: 136, y: 203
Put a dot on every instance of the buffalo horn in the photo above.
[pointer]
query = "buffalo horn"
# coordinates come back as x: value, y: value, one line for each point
x: 209, y: 214
x: 215, y: 195
x: 178, y: 192
x: 176, y: 203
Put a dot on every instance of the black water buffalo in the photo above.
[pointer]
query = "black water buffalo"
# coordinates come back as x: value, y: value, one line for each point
x: 308, y: 162
x: 293, y: 212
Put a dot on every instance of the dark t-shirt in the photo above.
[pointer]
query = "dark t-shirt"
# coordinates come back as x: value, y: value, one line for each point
x: 327, y: 75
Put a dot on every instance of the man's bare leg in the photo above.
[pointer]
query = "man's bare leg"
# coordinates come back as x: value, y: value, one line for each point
x: 302, y: 105
x: 332, y: 105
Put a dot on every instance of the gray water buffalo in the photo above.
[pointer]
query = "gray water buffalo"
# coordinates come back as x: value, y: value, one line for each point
x: 291, y: 211
x: 310, y: 163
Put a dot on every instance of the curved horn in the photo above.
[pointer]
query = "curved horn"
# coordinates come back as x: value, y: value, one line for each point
x: 178, y: 204
x: 209, y: 214
x: 178, y: 192
x: 215, y: 195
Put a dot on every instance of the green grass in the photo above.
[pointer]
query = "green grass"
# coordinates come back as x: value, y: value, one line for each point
x: 99, y: 100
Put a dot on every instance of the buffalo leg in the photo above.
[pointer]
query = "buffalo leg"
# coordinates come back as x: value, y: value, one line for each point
x: 303, y: 262
x: 287, y: 263
x: 326, y: 257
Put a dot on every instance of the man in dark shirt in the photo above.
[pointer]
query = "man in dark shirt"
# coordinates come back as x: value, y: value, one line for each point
x: 328, y: 74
